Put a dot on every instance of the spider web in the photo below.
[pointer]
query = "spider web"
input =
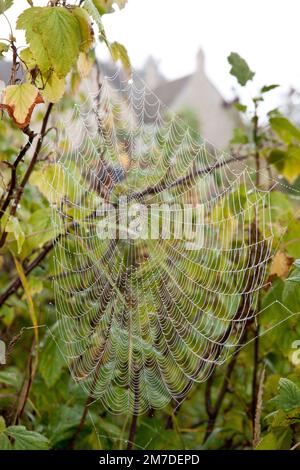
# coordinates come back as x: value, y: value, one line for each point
x: 141, y: 320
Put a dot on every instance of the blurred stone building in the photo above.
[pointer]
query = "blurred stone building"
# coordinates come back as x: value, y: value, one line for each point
x: 217, y: 117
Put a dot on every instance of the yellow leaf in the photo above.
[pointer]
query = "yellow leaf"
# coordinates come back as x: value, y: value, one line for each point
x: 86, y: 30
x: 19, y: 101
x: 28, y: 296
x: 84, y: 64
x: 119, y: 52
x: 54, y: 88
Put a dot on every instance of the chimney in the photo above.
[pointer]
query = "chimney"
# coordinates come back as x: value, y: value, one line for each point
x: 152, y: 75
x: 200, y: 64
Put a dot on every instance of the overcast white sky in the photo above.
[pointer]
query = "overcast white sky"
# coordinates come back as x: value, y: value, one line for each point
x: 264, y: 32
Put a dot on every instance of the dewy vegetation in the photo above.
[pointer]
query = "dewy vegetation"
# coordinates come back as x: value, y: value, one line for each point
x: 252, y: 400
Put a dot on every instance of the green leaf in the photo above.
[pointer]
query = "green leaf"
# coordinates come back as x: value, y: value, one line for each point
x: 3, y: 48
x: 268, y: 442
x: 239, y: 137
x: 28, y: 21
x: 61, y: 37
x: 11, y: 376
x: 240, y: 107
x: 239, y: 68
x: 39, y: 224
x: 284, y: 129
x: 267, y: 88
x: 54, y: 36
x: 5, y: 5
x: 27, y: 440
x: 288, y: 397
x: 7, y: 315
x: 63, y: 421
x: 291, y: 169
x: 27, y: 58
x: 52, y: 359
x: 13, y: 226
x: 2, y: 424
x: 4, y: 442
x: 277, y: 158
x: 119, y: 52
x: 103, y: 6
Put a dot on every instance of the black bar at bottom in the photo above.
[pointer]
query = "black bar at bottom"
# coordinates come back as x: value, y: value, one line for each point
x: 136, y: 459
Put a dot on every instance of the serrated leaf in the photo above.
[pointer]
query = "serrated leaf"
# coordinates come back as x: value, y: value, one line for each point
x: 239, y: 68
x: 288, y: 397
x: 28, y: 21
x: 19, y: 101
x: 27, y: 440
x: 5, y: 5
x: 61, y: 38
x: 54, y: 36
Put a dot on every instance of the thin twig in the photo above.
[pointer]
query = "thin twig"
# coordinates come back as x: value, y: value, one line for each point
x: 13, y: 287
x: 29, y: 169
x: 163, y: 185
x: 14, y: 166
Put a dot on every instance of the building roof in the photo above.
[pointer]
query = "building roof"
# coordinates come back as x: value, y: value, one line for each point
x: 168, y: 91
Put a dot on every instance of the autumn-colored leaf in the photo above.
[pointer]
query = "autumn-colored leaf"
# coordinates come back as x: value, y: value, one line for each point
x: 281, y: 264
x: 84, y: 64
x: 19, y: 101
